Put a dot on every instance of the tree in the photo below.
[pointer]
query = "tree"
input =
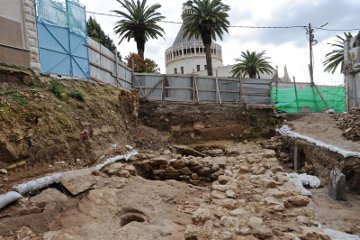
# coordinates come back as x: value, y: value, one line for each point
x: 95, y: 32
x: 336, y: 57
x: 138, y: 21
x: 252, y: 64
x: 205, y: 19
x: 140, y: 65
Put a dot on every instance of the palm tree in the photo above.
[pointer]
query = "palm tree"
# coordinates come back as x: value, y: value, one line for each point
x: 336, y: 56
x: 205, y: 19
x: 252, y: 64
x: 138, y: 21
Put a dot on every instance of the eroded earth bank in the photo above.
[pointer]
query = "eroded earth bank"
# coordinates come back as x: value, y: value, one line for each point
x: 228, y: 185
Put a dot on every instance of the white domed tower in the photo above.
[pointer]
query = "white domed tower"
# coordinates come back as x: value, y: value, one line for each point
x: 186, y: 56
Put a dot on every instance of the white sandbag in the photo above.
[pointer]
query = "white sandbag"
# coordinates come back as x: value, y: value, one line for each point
x: 38, y: 183
x: 310, y: 180
x: 117, y: 158
x: 337, y: 235
x: 43, y: 182
x: 8, y: 198
x: 285, y: 131
x: 296, y: 180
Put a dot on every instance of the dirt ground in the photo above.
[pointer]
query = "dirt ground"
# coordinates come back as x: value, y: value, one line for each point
x: 49, y: 125
x: 238, y: 190
x: 250, y: 200
x: 99, y: 213
x: 322, y: 126
x: 339, y: 215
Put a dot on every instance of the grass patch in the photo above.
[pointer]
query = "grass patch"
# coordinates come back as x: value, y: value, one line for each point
x: 77, y: 95
x: 2, y: 106
x: 20, y: 100
x: 8, y: 91
x: 57, y: 89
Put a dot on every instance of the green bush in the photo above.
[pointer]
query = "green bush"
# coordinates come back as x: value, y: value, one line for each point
x: 57, y: 89
x: 77, y: 95
x: 20, y: 100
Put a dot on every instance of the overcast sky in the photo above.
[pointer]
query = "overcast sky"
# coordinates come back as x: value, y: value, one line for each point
x: 284, y: 46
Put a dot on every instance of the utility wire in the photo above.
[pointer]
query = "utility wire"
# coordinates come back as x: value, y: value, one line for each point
x: 337, y: 30
x: 279, y: 27
x: 173, y: 22
x: 114, y: 15
x: 245, y: 26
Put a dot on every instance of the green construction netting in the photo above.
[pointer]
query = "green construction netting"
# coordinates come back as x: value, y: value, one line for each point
x: 285, y: 98
x: 63, y: 13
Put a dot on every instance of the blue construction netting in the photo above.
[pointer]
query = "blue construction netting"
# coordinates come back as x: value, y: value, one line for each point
x: 63, y: 13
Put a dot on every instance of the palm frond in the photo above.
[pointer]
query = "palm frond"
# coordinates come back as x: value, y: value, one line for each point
x: 138, y: 21
x: 336, y: 57
x: 252, y: 64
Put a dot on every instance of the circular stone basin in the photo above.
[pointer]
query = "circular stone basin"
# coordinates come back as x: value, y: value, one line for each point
x: 131, y: 215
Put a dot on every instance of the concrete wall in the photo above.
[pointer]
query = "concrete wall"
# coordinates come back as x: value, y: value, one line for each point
x: 18, y: 41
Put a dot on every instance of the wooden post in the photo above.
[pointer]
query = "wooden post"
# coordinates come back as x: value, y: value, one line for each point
x: 321, y: 96
x: 117, y: 81
x: 193, y: 85
x: 138, y: 83
x: 163, y: 89
x: 277, y: 90
x: 218, y: 96
x: 196, y: 89
x: 296, y: 95
x: 243, y: 94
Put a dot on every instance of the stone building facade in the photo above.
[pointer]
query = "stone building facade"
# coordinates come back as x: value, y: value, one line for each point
x: 188, y: 55
x: 18, y: 43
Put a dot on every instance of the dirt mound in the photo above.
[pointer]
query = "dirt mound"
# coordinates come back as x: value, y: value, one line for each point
x: 350, y: 123
x: 49, y: 124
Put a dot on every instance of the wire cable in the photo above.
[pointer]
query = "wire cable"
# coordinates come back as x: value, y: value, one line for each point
x: 245, y: 26
x: 337, y: 30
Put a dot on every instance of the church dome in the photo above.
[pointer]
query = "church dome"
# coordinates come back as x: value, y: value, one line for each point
x: 188, y: 55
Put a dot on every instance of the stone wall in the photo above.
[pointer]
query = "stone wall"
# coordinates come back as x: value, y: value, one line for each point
x: 19, y: 43
x: 316, y: 160
x: 31, y: 33
x: 194, y: 170
x: 197, y: 122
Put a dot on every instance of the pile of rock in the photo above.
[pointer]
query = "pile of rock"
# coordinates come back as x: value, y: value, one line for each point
x: 350, y: 123
x: 194, y: 170
x: 119, y: 169
x: 254, y: 200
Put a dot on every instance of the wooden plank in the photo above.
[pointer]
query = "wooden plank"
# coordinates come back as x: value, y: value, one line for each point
x: 136, y: 80
x: 163, y: 89
x: 105, y: 70
x: 178, y: 88
x: 153, y: 88
x: 218, y: 99
x: 296, y: 96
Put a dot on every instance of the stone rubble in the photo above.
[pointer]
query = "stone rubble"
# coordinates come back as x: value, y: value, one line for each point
x: 247, y: 196
x: 350, y: 124
x: 253, y: 200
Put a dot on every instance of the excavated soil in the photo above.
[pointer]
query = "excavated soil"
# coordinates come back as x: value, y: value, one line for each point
x: 322, y: 126
x: 234, y: 190
x: 49, y: 125
x: 251, y: 199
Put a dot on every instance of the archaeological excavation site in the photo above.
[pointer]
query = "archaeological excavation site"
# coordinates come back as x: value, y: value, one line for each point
x: 85, y: 160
